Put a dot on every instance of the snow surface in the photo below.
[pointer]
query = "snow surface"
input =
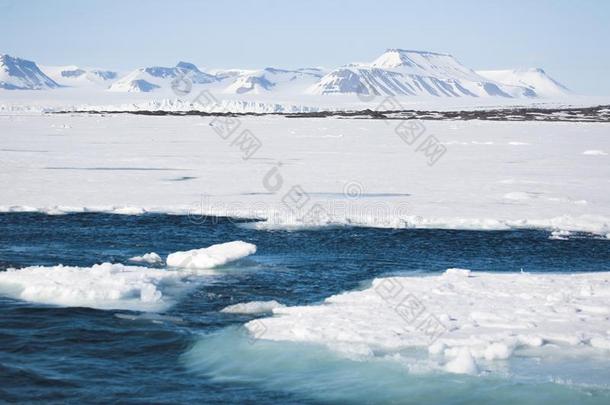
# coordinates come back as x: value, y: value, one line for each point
x: 253, y: 307
x: 76, y: 163
x: 210, y: 257
x: 466, y: 320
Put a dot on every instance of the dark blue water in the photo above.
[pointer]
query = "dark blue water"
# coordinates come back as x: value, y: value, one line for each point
x: 76, y: 355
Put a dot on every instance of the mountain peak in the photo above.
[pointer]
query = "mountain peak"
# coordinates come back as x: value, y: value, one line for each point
x: 397, y: 58
x: 21, y: 74
x: 534, y: 70
x: 187, y: 66
x: 413, y: 51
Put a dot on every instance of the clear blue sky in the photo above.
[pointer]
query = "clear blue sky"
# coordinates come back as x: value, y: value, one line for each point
x: 567, y: 38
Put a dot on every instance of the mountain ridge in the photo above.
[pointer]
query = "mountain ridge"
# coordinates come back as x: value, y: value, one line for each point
x: 396, y: 72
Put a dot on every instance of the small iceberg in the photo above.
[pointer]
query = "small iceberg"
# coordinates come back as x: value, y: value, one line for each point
x: 150, y: 258
x: 210, y: 257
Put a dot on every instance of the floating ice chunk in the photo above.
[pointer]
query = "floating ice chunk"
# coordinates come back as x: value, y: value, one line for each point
x: 129, y: 211
x: 253, y: 307
x: 595, y: 152
x: 103, y: 286
x: 458, y: 272
x: 463, y: 363
x: 150, y: 258
x: 210, y: 257
x: 560, y: 235
x: 498, y: 351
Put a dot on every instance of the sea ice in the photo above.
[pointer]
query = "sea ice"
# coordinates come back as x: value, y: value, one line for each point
x: 150, y: 258
x: 253, y: 307
x: 213, y: 256
x: 463, y: 363
x: 462, y: 318
x: 548, y: 183
x: 103, y: 286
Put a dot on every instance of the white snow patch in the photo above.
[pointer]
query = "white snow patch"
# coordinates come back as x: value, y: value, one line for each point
x: 595, y: 152
x: 253, y: 307
x: 210, y: 257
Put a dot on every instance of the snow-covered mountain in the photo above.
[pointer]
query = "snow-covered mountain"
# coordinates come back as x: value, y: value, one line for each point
x: 151, y: 78
x: 74, y: 76
x: 535, y: 78
x: 396, y: 72
x: 270, y: 79
x: 415, y: 73
x: 21, y: 74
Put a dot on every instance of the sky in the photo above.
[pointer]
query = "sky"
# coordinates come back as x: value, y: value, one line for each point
x: 569, y: 39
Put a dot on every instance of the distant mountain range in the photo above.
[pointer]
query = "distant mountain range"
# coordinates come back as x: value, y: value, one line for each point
x: 396, y: 72
x: 73, y: 76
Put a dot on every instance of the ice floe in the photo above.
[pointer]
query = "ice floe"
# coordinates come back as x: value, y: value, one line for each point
x: 102, y: 286
x: 116, y: 286
x: 213, y: 256
x: 253, y: 307
x: 464, y: 319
